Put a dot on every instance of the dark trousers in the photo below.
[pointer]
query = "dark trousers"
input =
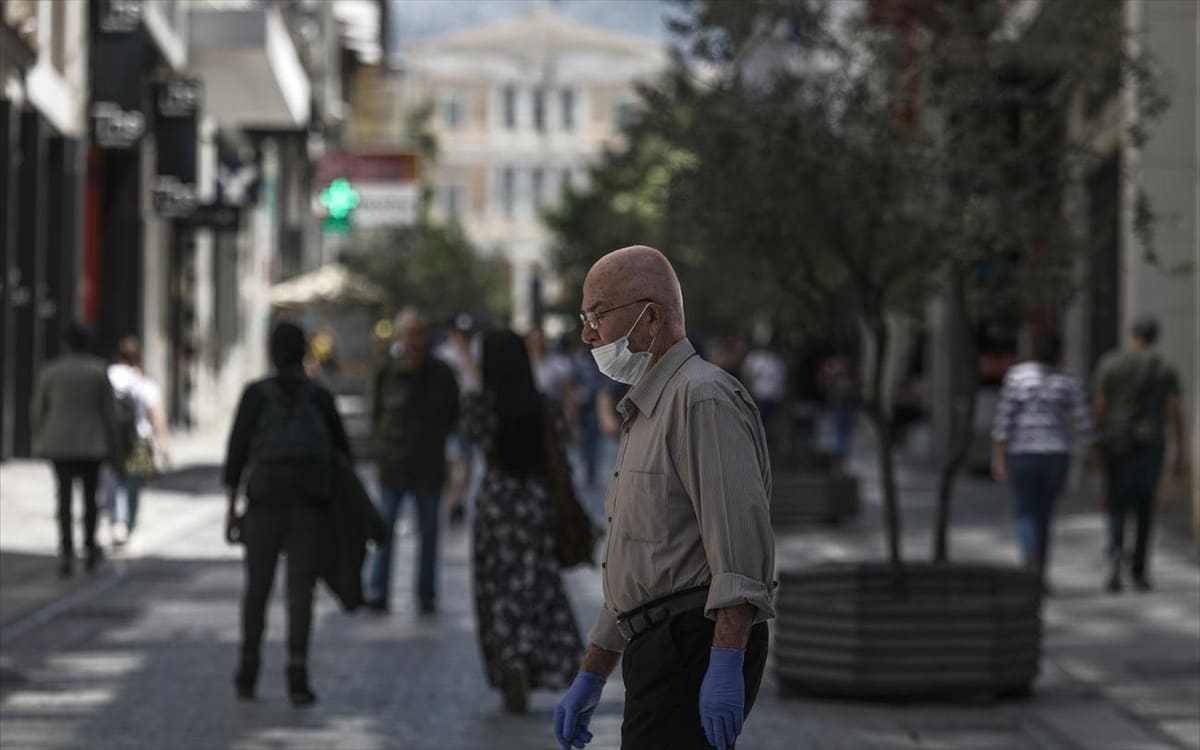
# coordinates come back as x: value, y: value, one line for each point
x: 1132, y: 483
x: 88, y: 473
x: 663, y: 670
x: 1037, y: 480
x: 269, y: 532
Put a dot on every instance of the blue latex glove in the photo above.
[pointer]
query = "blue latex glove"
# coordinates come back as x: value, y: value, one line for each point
x: 575, y: 710
x: 723, y: 697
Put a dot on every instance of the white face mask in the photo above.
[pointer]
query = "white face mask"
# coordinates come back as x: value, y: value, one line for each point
x: 617, y: 362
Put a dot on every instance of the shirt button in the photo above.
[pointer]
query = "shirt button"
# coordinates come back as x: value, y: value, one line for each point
x: 616, y: 474
x: 610, y: 519
x: 603, y: 566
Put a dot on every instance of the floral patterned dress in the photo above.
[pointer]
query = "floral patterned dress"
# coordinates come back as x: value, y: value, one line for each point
x: 520, y: 603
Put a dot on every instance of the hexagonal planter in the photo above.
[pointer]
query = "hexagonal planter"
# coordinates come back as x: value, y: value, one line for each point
x: 962, y: 630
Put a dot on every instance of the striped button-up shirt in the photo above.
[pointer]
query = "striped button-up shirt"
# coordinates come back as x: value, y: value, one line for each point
x: 1039, y: 406
x: 689, y: 501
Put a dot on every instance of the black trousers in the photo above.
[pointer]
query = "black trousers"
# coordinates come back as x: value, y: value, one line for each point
x: 268, y: 532
x: 87, y: 472
x: 663, y: 670
x: 1132, y: 483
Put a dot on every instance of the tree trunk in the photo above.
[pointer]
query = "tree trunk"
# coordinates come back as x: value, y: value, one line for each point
x: 881, y: 340
x: 962, y: 423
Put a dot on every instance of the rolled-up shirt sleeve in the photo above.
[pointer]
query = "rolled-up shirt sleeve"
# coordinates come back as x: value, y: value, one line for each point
x: 722, y: 470
x: 605, y: 634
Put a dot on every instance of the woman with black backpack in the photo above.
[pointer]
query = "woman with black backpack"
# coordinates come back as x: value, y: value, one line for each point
x: 285, y: 439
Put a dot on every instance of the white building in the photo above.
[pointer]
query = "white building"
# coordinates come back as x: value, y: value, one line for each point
x: 521, y: 107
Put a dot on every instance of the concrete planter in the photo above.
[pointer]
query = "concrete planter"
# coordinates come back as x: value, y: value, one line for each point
x: 808, y: 497
x: 962, y: 630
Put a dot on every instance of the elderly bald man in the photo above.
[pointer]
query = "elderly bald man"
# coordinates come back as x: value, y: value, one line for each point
x: 690, y: 556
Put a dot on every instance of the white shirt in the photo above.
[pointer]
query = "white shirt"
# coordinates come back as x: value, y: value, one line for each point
x: 551, y: 373
x: 766, y: 375
x: 128, y: 381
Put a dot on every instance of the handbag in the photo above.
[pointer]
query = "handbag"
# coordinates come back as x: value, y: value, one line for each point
x: 575, y: 535
x: 144, y: 460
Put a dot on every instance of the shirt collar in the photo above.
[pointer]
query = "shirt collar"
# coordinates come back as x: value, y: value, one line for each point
x: 647, y: 392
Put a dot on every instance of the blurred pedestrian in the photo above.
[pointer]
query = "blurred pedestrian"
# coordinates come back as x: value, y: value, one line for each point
x: 1135, y: 394
x: 839, y: 382
x: 527, y: 631
x: 587, y: 385
x: 688, y: 570
x: 553, y: 374
x: 765, y: 373
x: 74, y: 425
x: 457, y: 352
x: 729, y: 353
x: 139, y: 399
x: 1042, y: 409
x: 285, y: 439
x: 414, y: 409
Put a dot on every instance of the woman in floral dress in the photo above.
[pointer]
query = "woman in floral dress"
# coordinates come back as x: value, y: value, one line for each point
x: 527, y: 631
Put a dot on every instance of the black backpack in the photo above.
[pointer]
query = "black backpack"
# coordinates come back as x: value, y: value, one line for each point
x: 127, y: 422
x: 291, y: 429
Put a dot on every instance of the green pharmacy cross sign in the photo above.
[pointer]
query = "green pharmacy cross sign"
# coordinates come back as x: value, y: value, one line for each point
x: 340, y: 199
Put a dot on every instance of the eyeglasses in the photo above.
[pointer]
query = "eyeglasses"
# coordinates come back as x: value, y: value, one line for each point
x: 591, y: 319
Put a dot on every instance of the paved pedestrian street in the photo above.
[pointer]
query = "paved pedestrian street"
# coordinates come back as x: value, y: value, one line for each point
x: 141, y: 655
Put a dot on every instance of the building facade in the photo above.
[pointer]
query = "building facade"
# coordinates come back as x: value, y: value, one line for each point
x: 519, y: 109
x: 155, y: 180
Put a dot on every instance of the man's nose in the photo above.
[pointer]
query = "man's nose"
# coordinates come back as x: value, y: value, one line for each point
x: 589, y: 335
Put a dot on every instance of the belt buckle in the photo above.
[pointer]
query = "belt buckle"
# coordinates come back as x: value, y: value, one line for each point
x: 625, y: 629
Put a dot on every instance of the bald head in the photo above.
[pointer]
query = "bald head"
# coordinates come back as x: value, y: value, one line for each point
x: 614, y: 286
x: 637, y: 272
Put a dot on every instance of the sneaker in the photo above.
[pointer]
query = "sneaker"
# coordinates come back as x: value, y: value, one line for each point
x: 515, y: 687
x: 1142, y: 584
x: 120, y: 534
x: 1114, y: 585
x: 428, y: 607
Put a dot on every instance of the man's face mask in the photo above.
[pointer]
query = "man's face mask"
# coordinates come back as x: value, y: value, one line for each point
x: 616, y: 361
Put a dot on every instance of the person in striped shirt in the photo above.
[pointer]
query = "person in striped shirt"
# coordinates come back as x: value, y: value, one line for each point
x: 1043, y: 411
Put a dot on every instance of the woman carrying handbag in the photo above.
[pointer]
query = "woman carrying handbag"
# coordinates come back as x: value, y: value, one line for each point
x: 527, y: 631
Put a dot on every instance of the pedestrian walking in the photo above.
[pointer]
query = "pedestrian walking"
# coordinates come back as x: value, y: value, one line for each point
x: 587, y: 385
x: 1042, y: 409
x: 415, y: 407
x: 839, y: 381
x: 285, y: 442
x: 765, y: 373
x: 553, y: 374
x: 457, y: 351
x: 528, y: 636
x: 143, y: 426
x: 690, y: 555
x: 74, y: 425
x: 1135, y: 395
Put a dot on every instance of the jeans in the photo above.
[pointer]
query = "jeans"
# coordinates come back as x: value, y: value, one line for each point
x: 428, y: 512
x: 125, y: 510
x: 269, y: 531
x: 1132, y: 483
x: 1037, y: 480
x: 842, y: 415
x: 87, y: 472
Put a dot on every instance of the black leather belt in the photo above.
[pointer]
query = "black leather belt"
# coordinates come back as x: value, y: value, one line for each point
x: 638, y: 622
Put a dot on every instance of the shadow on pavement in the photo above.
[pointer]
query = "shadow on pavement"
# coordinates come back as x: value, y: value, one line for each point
x: 197, y: 479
